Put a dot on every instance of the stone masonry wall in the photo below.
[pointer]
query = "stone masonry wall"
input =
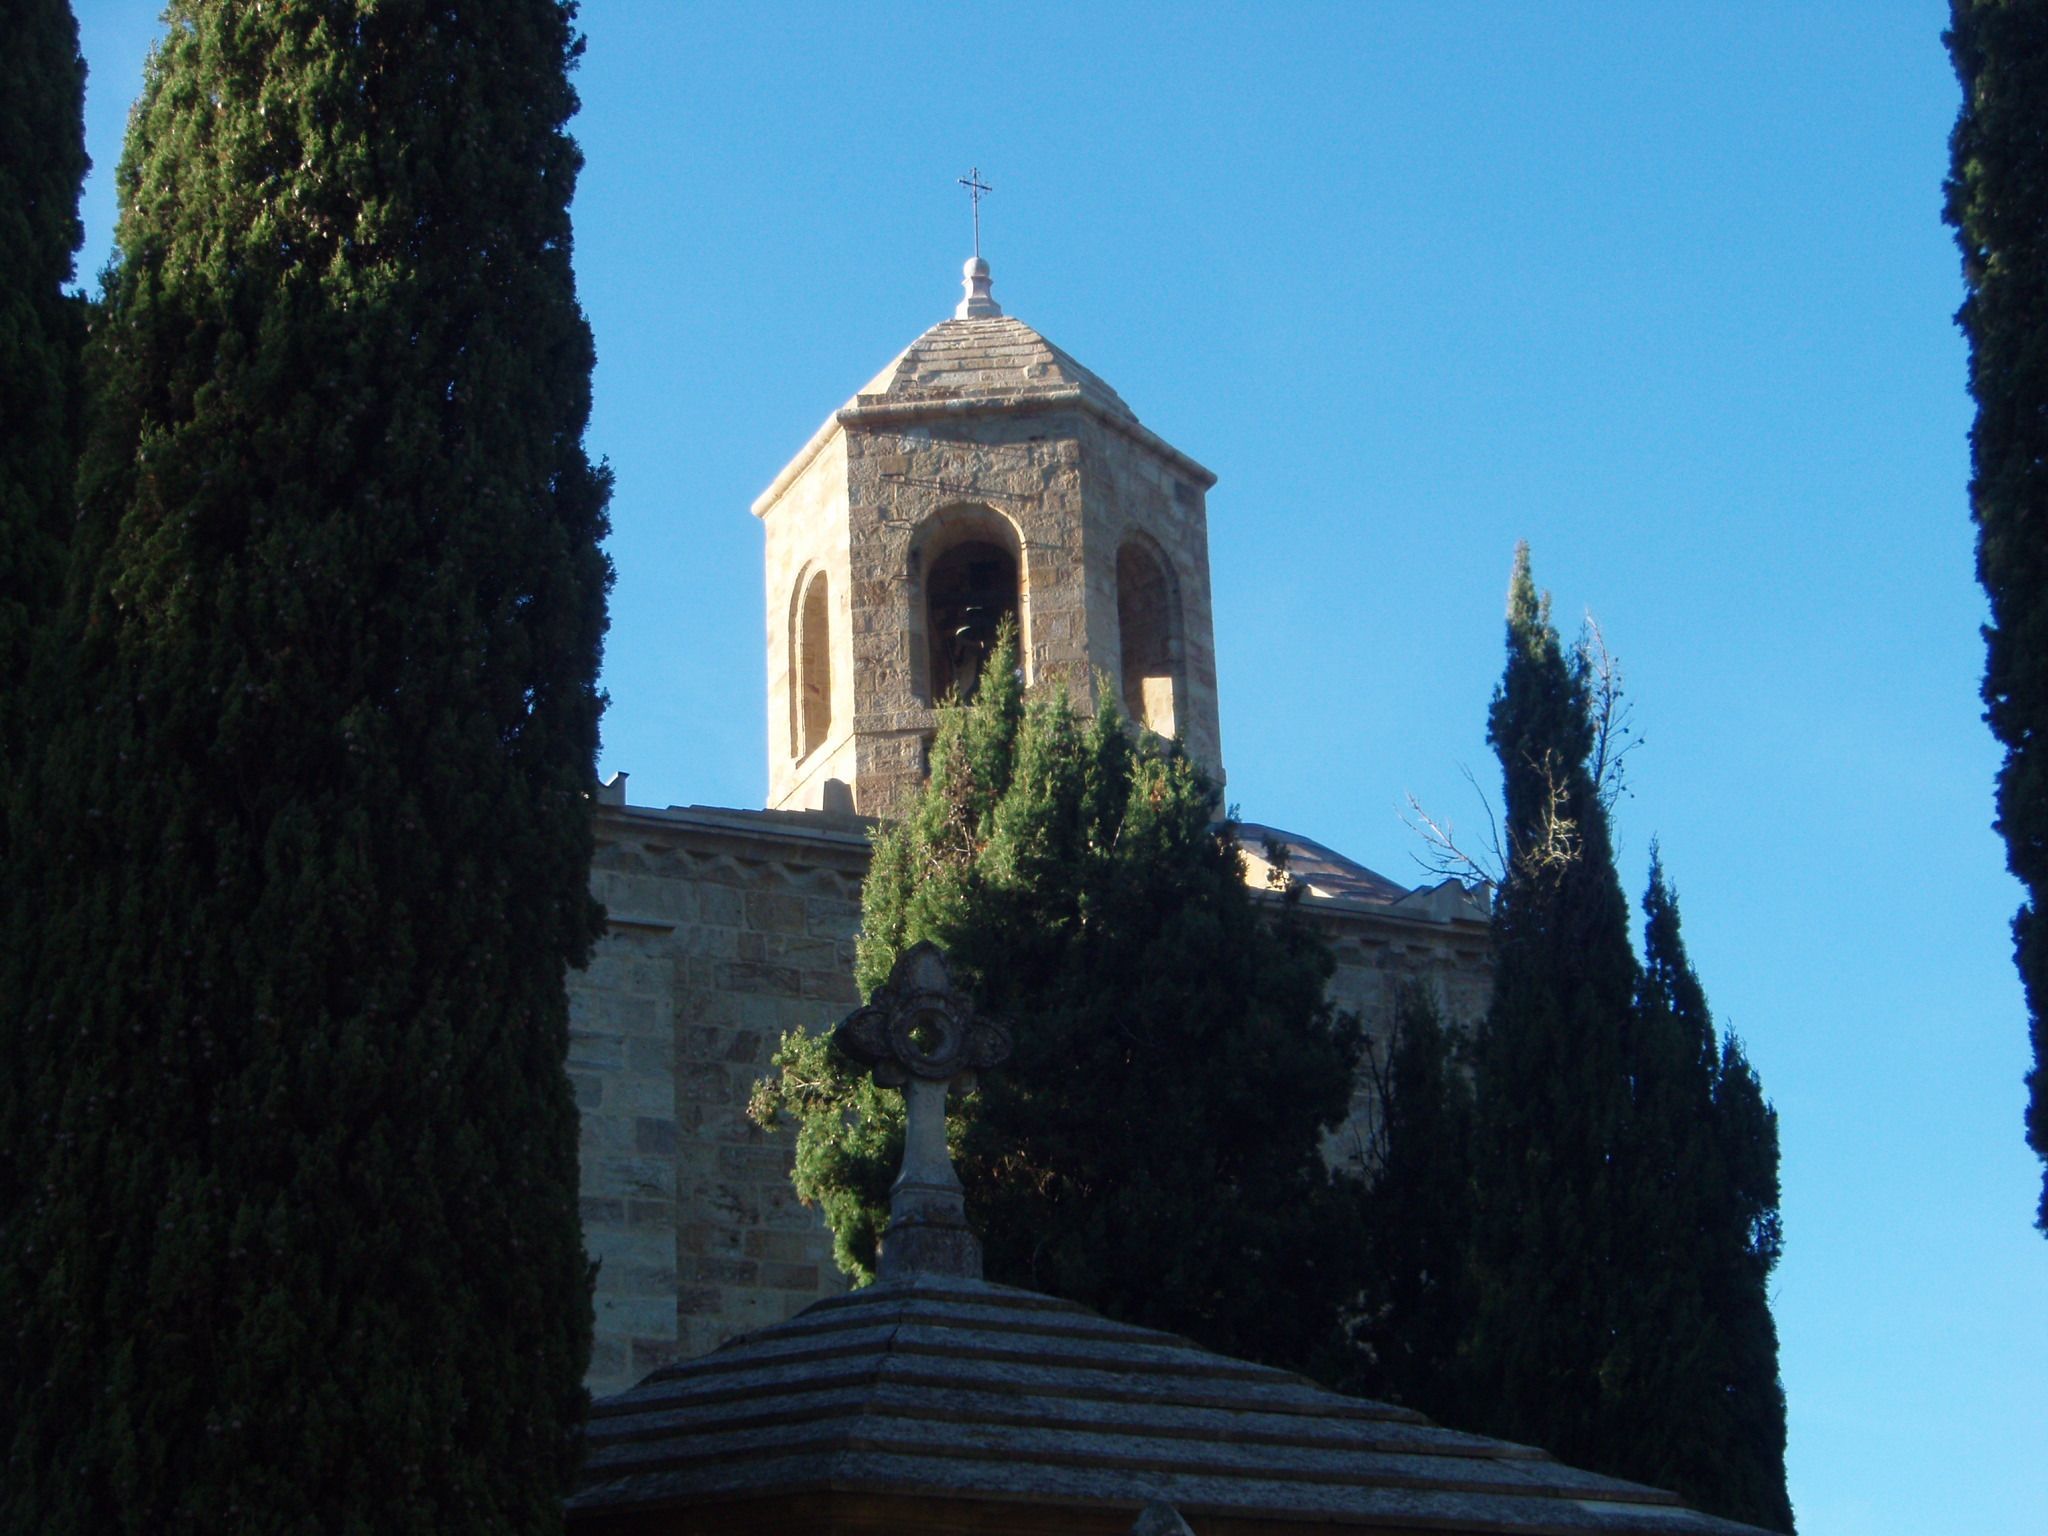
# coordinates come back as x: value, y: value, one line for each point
x: 806, y: 536
x: 871, y: 504
x: 1136, y: 494
x: 727, y: 928
x: 1375, y: 953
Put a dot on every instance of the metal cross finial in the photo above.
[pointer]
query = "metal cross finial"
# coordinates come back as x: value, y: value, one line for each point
x: 977, y: 189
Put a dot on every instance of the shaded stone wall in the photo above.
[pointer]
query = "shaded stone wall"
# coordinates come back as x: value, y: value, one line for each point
x: 1375, y: 953
x: 726, y: 929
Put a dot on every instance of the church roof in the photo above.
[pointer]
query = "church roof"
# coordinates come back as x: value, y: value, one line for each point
x: 980, y: 361
x: 1327, y: 875
x: 948, y: 1388
x: 990, y: 360
x: 1322, y: 869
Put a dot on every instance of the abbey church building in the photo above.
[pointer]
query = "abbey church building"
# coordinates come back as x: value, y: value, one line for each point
x: 983, y: 473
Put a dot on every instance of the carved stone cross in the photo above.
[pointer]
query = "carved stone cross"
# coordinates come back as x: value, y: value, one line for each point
x: 919, y: 1034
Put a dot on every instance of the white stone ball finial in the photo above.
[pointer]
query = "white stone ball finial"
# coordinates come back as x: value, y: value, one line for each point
x: 975, y: 302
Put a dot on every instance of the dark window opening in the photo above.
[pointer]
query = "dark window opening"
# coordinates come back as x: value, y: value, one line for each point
x: 970, y: 590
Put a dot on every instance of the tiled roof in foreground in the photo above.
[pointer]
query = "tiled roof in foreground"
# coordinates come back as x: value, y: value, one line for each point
x: 1045, y: 1416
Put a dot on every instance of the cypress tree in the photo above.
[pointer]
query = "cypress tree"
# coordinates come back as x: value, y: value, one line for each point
x: 42, y: 168
x: 1748, y: 1239
x: 303, y: 1250
x: 1701, y: 1350
x: 1416, y: 1302
x: 1152, y: 1147
x: 1553, y: 1094
x: 1998, y: 203
x: 1625, y: 1163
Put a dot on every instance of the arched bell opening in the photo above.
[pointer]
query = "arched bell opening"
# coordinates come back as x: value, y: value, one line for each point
x: 810, y: 651
x: 972, y: 581
x: 1149, y: 634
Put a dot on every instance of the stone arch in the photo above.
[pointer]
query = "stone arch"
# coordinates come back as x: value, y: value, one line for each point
x: 810, y: 664
x: 967, y: 573
x: 1150, y: 638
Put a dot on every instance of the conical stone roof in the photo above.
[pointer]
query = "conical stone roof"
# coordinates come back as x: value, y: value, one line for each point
x: 939, y: 1402
x: 993, y: 360
x: 979, y: 364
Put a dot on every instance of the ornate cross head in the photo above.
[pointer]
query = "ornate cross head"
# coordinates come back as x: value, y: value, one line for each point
x: 920, y: 1025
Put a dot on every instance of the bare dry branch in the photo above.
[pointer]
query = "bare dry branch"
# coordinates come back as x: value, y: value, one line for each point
x: 1557, y: 838
x: 1443, y: 855
x: 1614, y: 735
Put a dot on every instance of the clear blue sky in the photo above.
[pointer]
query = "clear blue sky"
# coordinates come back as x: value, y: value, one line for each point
x: 1663, y: 289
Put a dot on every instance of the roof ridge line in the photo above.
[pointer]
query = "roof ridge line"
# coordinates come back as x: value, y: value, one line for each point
x: 838, y: 1439
x: 1461, y: 1445
x: 1206, y: 1363
x: 910, y: 1372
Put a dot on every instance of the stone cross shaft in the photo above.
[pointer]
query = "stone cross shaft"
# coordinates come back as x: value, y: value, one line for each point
x: 919, y: 1034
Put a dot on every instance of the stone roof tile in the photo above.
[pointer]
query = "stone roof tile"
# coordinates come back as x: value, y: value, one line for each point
x: 948, y: 1388
x: 995, y: 360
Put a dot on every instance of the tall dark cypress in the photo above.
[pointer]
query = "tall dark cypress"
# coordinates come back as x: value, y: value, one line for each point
x: 1748, y: 1239
x: 1998, y: 203
x: 1551, y: 1252
x: 1625, y: 1164
x: 1702, y: 1348
x: 304, y: 1254
x: 42, y: 168
x: 1415, y: 1302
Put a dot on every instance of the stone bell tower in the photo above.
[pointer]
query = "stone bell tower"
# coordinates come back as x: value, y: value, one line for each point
x: 982, y: 473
